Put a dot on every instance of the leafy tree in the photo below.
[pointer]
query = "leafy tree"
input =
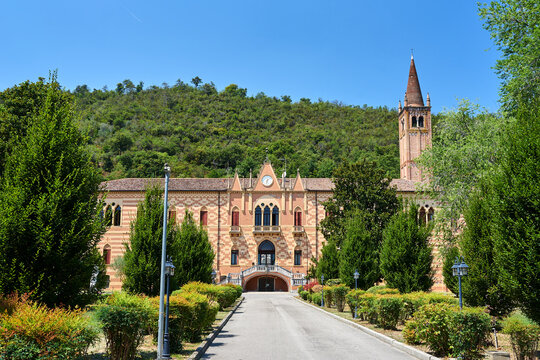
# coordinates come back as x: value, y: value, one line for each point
x: 18, y: 106
x: 514, y: 25
x: 196, y: 81
x: 359, y: 186
x: 328, y: 263
x: 466, y: 149
x: 49, y: 204
x: 406, y: 254
x: 360, y: 251
x: 481, y: 287
x: 142, y: 259
x: 516, y: 203
x: 194, y: 252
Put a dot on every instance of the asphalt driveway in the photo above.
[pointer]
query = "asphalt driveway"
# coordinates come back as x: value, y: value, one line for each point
x: 274, y: 326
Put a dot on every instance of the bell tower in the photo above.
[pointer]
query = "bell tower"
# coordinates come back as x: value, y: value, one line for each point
x: 414, y: 127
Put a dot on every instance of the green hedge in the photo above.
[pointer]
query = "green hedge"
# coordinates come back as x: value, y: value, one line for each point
x: 190, y: 314
x: 304, y: 294
x: 316, y: 298
x: 389, y: 309
x: 224, y: 295
x: 125, y: 320
x: 448, y: 330
x: 524, y: 334
x: 32, y: 331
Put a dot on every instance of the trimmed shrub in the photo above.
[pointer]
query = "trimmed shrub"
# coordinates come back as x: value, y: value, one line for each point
x: 470, y: 331
x: 224, y: 295
x: 317, y: 288
x: 411, y: 303
x: 366, y: 307
x: 436, y: 298
x: 304, y: 295
x: 300, y: 289
x: 382, y: 290
x: 328, y: 296
x: 524, y: 334
x: 237, y: 288
x: 433, y: 326
x: 125, y: 319
x: 389, y: 309
x: 190, y: 313
x: 352, y: 299
x: 333, y: 282
x: 316, y: 298
x: 410, y: 332
x: 36, y: 332
x: 339, y: 292
x: 309, y: 296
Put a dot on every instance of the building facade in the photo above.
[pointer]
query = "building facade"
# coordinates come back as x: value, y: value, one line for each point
x: 264, y: 229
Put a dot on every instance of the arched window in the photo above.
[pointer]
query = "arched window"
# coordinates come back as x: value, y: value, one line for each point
x: 422, y: 216
x: 203, y: 215
x: 297, y: 257
x: 234, y: 257
x: 108, y: 215
x: 172, y: 216
x: 414, y: 124
x: 297, y: 218
x: 421, y: 121
x: 107, y: 254
x: 402, y: 125
x: 267, y: 253
x: 430, y: 214
x: 101, y: 215
x: 235, y: 219
x: 266, y: 216
x: 275, y: 216
x: 258, y: 216
x: 117, y: 215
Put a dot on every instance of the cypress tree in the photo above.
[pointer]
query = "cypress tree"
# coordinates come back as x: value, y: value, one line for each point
x: 49, y: 209
x: 481, y: 286
x: 328, y: 264
x: 406, y: 254
x: 142, y: 258
x: 194, y: 252
x: 360, y: 251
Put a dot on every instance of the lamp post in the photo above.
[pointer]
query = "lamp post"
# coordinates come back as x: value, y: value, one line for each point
x: 460, y: 269
x: 322, y: 296
x: 169, y: 272
x: 356, y: 276
x: 163, y: 257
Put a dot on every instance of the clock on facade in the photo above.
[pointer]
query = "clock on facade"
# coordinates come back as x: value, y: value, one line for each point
x: 267, y: 180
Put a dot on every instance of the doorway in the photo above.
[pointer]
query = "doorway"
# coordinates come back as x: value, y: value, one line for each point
x: 266, y: 284
x: 267, y: 253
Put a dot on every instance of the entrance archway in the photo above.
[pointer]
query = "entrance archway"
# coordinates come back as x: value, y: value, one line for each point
x: 267, y: 253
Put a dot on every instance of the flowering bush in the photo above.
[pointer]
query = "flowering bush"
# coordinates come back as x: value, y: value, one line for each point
x: 32, y: 331
x: 470, y: 330
x: 309, y: 286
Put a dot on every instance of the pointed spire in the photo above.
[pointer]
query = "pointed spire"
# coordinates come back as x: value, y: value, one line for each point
x: 413, y: 94
x: 399, y: 107
x: 428, y: 100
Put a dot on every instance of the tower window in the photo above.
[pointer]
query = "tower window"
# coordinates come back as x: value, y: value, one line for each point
x: 430, y: 214
x: 421, y: 121
x: 172, y: 216
x: 414, y: 122
x: 108, y: 215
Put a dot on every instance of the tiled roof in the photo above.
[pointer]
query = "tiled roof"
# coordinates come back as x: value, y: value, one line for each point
x: 213, y: 184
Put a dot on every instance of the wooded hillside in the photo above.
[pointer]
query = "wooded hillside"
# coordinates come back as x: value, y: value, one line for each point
x: 202, y: 132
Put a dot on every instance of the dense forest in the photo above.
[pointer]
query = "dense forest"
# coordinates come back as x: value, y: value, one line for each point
x: 202, y: 132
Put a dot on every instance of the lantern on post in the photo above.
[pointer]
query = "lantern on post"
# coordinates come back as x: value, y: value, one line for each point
x: 459, y: 269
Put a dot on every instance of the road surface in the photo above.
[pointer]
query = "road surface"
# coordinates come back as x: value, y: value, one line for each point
x: 274, y: 326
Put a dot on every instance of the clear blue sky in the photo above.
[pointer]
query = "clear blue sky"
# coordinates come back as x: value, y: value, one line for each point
x: 357, y: 52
